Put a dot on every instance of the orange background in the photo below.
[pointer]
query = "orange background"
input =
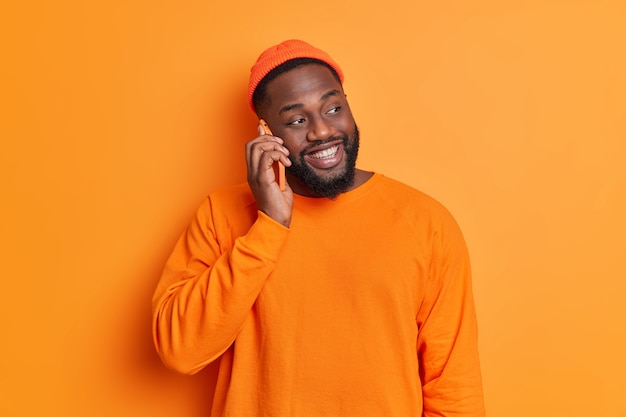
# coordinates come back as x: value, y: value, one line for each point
x: 118, y: 117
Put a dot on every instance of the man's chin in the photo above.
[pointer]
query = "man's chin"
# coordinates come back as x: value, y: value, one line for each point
x: 330, y: 186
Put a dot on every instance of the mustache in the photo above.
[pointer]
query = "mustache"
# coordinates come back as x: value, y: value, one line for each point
x: 342, y: 138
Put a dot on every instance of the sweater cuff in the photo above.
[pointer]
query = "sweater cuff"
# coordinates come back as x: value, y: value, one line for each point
x: 266, y: 237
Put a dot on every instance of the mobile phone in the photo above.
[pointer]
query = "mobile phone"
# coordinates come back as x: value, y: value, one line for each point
x: 281, y: 167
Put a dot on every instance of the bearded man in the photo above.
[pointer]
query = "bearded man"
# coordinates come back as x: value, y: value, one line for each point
x: 343, y: 293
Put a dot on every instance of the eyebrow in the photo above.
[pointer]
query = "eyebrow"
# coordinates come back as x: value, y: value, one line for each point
x: 293, y: 106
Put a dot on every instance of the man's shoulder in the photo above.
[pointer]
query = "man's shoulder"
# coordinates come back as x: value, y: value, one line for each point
x: 409, y: 200
x: 417, y: 210
x: 405, y: 192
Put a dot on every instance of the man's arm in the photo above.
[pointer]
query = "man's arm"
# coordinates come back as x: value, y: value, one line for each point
x: 207, y: 289
x: 447, y: 338
x: 204, y: 295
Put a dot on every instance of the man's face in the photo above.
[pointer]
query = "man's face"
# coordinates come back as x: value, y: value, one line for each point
x: 309, y: 111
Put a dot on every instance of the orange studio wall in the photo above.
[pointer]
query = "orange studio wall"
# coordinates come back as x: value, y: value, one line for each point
x: 118, y: 117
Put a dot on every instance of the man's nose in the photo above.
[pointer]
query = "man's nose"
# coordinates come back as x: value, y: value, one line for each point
x: 319, y: 129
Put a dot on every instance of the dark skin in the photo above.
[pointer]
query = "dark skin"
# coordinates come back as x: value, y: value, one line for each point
x: 306, y: 107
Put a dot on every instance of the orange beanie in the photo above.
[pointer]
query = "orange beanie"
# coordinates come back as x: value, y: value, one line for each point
x: 281, y: 53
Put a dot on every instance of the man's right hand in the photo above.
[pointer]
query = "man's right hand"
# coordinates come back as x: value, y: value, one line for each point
x: 262, y: 153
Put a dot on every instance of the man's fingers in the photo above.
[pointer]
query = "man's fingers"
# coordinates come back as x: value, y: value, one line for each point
x: 262, y: 153
x: 274, y: 150
x: 263, y: 141
x: 270, y: 147
x: 264, y: 158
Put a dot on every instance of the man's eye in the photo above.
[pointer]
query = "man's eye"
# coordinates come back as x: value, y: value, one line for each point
x: 296, y: 122
x: 334, y: 109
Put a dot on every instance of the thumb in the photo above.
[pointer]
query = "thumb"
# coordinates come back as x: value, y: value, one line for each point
x: 260, y: 129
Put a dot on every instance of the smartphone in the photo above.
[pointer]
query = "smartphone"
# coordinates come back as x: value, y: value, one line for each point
x: 280, y: 168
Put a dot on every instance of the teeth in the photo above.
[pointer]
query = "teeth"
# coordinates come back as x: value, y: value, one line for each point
x: 326, y: 153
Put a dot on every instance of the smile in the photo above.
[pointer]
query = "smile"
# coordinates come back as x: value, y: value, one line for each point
x: 326, y: 153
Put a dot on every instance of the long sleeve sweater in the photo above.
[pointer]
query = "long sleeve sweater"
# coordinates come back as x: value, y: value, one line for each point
x: 362, y: 307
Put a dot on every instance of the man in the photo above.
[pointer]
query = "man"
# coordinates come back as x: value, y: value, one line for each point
x: 346, y: 294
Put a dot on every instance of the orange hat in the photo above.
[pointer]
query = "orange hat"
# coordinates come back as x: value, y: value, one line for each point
x: 281, y: 53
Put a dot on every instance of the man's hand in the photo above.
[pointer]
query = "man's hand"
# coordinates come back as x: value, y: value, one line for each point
x: 262, y: 153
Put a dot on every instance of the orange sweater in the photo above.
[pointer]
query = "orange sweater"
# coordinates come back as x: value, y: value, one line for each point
x: 363, y: 307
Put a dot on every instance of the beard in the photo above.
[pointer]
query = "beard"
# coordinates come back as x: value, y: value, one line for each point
x: 329, y: 187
